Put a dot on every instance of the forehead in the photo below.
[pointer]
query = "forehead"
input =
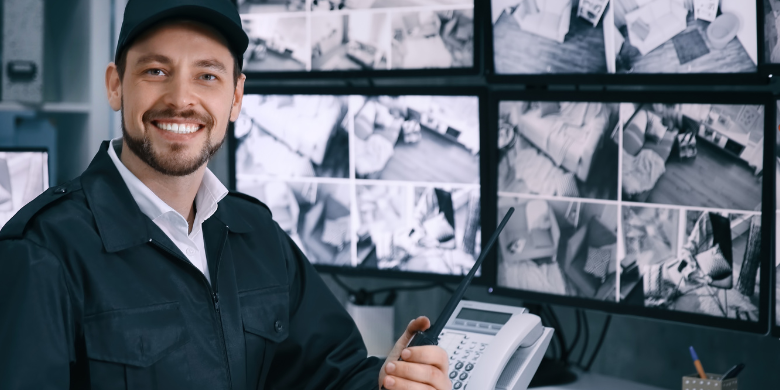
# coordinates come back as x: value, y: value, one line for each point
x: 181, y: 37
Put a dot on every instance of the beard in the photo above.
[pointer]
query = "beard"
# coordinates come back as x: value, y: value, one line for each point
x: 171, y: 162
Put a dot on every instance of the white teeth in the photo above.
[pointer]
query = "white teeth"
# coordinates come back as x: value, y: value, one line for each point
x: 178, y: 128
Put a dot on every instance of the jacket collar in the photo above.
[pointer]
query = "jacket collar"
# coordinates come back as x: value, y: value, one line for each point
x: 119, y: 220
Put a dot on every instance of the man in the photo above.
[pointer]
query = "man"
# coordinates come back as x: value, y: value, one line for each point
x: 145, y: 273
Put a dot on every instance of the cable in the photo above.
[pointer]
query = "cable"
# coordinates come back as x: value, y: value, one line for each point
x: 586, y: 332
x: 599, y: 343
x: 368, y: 294
x: 558, y: 350
x: 448, y: 288
x: 559, y: 334
x: 577, y: 334
x: 343, y: 285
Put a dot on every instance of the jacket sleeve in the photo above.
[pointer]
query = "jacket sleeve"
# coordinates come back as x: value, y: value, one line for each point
x: 324, y: 349
x: 36, y: 343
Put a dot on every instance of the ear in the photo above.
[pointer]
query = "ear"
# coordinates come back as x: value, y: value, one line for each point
x: 238, y: 97
x: 113, y: 87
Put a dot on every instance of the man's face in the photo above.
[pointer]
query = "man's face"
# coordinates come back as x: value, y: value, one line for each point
x: 177, y: 96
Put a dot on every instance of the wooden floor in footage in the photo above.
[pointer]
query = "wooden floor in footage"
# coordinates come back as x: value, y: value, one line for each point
x: 517, y: 51
x: 433, y: 159
x: 731, y: 59
x: 712, y: 179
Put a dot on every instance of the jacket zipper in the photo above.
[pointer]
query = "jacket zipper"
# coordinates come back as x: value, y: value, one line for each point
x: 214, y: 299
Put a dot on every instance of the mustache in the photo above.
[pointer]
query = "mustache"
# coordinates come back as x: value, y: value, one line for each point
x: 170, y: 113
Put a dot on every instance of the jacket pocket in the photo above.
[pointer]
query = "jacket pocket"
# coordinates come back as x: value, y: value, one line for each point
x: 266, y: 316
x: 139, y: 348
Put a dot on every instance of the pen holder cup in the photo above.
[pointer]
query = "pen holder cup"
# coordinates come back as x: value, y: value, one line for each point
x: 713, y: 382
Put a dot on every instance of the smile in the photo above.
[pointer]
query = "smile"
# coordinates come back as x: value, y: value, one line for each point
x: 178, y: 128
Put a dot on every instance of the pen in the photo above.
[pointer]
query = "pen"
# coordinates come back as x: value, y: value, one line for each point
x: 697, y: 363
x: 733, y: 372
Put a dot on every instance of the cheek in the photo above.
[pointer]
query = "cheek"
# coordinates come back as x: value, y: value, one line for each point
x: 134, y: 106
x: 221, y: 117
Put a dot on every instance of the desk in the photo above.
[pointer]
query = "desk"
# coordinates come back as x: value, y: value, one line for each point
x: 590, y: 381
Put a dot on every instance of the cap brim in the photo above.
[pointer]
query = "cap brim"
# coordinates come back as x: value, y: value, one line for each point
x: 236, y: 37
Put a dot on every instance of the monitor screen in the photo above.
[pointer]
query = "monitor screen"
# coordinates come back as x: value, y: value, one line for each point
x: 357, y: 35
x: 651, y: 205
x: 369, y: 182
x: 23, y: 176
x: 624, y: 36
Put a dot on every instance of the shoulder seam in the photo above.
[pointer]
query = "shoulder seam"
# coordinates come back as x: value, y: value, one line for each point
x: 250, y: 199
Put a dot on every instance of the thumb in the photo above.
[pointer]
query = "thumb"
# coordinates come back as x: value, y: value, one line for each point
x: 418, y: 324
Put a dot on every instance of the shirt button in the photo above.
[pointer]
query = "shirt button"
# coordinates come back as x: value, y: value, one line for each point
x: 191, y: 252
x: 278, y: 326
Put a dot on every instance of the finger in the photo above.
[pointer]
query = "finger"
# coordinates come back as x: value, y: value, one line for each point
x: 420, y: 373
x: 396, y: 383
x: 429, y: 354
x: 418, y: 324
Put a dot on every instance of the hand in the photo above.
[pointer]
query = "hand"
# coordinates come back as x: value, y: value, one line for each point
x: 423, y: 368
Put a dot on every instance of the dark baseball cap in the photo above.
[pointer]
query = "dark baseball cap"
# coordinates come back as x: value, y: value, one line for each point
x: 219, y: 14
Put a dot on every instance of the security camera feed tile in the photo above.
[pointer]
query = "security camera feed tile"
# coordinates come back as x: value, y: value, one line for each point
x: 23, y: 176
x: 372, y: 182
x: 357, y: 35
x: 625, y: 36
x: 657, y: 205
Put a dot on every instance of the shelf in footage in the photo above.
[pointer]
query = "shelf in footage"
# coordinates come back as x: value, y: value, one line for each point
x: 353, y: 36
x: 656, y: 205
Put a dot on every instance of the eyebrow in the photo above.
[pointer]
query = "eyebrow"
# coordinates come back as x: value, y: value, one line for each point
x: 153, y: 58
x: 211, y: 64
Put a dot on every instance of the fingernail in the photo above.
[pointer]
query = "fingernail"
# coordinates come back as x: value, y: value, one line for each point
x: 389, y: 382
x: 406, y: 353
x: 390, y: 368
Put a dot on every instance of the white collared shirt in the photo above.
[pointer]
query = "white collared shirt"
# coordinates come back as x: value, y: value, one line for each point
x: 173, y: 224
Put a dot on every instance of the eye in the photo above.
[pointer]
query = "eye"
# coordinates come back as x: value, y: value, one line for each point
x: 155, y: 72
x: 209, y: 77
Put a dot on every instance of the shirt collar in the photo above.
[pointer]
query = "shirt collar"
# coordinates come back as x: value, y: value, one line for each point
x: 210, y: 192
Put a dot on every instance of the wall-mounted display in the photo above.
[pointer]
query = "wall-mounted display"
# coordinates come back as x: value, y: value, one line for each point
x: 368, y: 182
x: 629, y: 37
x: 653, y: 204
x: 358, y: 35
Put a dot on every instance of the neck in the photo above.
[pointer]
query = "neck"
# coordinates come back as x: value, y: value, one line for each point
x: 176, y: 191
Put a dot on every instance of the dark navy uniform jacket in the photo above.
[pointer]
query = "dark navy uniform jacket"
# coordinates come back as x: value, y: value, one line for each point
x: 93, y: 295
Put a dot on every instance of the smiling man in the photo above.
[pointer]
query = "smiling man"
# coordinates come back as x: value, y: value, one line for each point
x: 146, y: 273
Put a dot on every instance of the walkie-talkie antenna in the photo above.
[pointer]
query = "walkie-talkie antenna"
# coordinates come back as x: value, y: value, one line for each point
x: 430, y: 336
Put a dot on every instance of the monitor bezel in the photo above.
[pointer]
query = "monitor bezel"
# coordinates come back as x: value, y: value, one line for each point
x: 490, y: 217
x: 477, y: 68
x: 480, y: 93
x: 774, y: 314
x: 759, y: 77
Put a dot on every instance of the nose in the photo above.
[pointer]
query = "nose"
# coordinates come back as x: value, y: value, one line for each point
x: 179, y: 94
